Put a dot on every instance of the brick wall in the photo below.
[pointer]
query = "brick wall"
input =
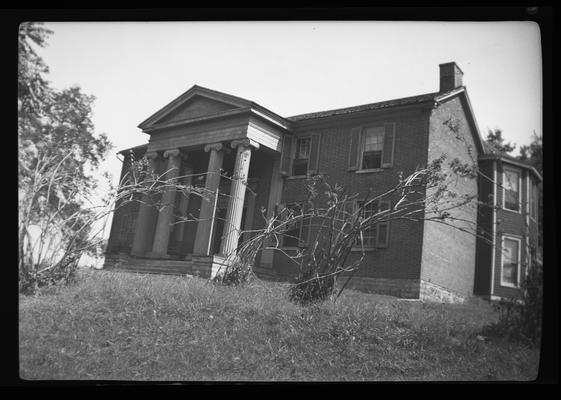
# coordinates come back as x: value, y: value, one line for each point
x: 449, y: 254
x: 482, y: 283
x: 402, y: 258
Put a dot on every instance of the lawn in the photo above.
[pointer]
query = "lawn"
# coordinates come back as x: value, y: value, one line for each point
x: 119, y: 326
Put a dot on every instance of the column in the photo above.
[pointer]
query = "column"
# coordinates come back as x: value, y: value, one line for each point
x: 165, y: 217
x: 142, y: 241
x: 184, y: 202
x: 237, y: 196
x: 205, y: 223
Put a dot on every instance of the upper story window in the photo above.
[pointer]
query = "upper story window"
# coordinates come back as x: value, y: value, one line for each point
x: 373, y: 147
x: 511, y: 190
x: 302, y: 156
x: 510, y: 264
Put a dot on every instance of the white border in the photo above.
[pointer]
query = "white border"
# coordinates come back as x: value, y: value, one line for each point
x: 519, y: 189
x: 519, y: 240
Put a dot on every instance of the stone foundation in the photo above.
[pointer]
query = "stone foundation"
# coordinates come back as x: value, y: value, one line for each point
x: 433, y: 292
x: 404, y: 288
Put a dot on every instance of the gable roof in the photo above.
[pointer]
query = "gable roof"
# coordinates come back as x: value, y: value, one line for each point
x: 435, y: 98
x: 238, y: 104
x: 403, y: 101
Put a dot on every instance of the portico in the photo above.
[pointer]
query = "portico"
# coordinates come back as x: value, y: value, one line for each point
x: 222, y: 145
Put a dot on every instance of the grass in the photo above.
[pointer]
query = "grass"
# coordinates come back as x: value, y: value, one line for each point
x: 118, y: 326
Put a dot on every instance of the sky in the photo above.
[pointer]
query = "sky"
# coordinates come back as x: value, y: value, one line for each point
x: 135, y: 68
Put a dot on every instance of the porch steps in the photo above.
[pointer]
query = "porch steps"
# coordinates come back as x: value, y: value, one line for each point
x: 148, y: 266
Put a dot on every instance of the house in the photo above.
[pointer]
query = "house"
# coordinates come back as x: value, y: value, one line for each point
x: 362, y: 147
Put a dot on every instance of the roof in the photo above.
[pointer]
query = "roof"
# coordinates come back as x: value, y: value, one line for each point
x: 404, y: 101
x: 240, y: 104
x: 133, y: 149
x: 492, y: 153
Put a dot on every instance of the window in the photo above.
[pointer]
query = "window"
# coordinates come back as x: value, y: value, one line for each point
x: 376, y: 235
x: 510, y: 262
x: 298, y: 231
x: 511, y: 190
x: 373, y: 147
x: 302, y: 156
x: 368, y: 235
x: 533, y: 201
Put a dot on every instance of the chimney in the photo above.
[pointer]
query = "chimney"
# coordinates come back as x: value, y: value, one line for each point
x: 450, y: 77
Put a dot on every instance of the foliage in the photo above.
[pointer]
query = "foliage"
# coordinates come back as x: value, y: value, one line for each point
x: 58, y: 151
x: 497, y: 142
x: 33, y: 89
x: 533, y: 153
x: 521, y: 319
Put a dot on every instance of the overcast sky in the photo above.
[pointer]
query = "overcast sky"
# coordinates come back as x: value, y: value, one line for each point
x: 291, y: 68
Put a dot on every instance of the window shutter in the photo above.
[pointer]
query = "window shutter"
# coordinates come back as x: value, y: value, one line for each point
x: 354, y: 149
x: 313, y: 166
x: 383, y: 231
x: 287, y: 155
x: 389, y: 144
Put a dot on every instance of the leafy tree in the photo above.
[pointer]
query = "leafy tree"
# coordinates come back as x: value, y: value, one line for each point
x: 533, y: 153
x: 58, y: 152
x: 497, y: 142
x: 33, y: 88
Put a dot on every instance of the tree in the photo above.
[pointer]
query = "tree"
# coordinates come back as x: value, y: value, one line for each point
x: 533, y: 153
x: 58, y: 153
x: 497, y: 142
x: 33, y: 89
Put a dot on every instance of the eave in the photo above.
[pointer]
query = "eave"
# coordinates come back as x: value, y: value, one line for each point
x: 512, y: 162
x: 257, y: 112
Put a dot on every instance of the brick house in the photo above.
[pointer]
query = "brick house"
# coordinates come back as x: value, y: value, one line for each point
x: 360, y: 147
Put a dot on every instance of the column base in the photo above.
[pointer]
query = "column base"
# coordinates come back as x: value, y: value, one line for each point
x: 209, y: 266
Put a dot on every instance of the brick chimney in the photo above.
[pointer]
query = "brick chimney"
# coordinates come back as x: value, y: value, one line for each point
x: 450, y: 77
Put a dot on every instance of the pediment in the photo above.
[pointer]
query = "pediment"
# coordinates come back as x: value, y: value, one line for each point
x: 197, y: 102
x: 196, y: 107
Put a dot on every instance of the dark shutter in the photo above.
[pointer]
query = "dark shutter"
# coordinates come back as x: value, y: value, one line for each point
x: 354, y: 149
x: 287, y: 154
x: 389, y: 139
x: 313, y: 166
x: 383, y: 231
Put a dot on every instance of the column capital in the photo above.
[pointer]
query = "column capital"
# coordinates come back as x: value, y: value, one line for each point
x: 245, y: 142
x: 214, y: 146
x: 152, y: 155
x: 171, y: 153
